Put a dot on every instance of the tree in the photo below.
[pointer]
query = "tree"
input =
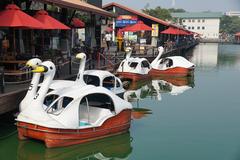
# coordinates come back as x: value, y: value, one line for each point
x: 176, y: 10
x: 158, y: 12
x: 230, y: 25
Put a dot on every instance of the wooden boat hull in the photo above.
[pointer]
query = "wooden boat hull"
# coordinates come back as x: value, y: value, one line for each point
x: 176, y: 71
x: 132, y: 76
x: 64, y: 137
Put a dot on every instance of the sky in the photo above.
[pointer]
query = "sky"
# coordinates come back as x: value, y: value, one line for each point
x: 188, y: 5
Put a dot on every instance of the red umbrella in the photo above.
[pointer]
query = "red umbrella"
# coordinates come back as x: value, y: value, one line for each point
x: 108, y: 29
x: 174, y: 31
x: 77, y: 23
x: 49, y: 22
x: 12, y: 16
x: 237, y: 34
x: 140, y: 26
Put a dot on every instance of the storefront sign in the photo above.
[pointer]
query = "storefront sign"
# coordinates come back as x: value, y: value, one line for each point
x: 155, y: 30
x: 125, y: 20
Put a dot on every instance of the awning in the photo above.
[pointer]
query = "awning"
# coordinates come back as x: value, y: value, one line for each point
x: 174, y: 31
x: 78, y: 5
x: 140, y: 26
x: 237, y: 34
x: 77, y: 23
x: 49, y: 22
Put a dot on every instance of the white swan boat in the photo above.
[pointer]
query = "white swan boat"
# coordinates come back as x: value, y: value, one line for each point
x: 170, y: 66
x: 72, y: 115
x: 133, y: 69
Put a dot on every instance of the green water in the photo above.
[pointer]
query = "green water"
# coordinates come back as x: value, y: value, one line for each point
x: 196, y: 118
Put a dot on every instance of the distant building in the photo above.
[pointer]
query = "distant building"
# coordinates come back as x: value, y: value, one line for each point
x: 233, y: 13
x: 205, y: 23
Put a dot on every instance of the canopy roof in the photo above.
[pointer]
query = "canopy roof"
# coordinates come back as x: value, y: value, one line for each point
x: 140, y: 26
x: 77, y: 23
x: 78, y: 5
x: 237, y: 34
x: 12, y: 16
x: 48, y: 21
x: 175, y: 31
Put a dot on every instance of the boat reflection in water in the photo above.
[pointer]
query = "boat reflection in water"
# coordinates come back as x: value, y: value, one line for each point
x: 116, y: 147
x: 136, y: 93
x: 174, y: 86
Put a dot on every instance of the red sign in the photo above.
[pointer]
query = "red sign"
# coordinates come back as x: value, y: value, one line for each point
x: 127, y: 17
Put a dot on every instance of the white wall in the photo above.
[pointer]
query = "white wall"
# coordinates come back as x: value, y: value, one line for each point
x: 208, y: 28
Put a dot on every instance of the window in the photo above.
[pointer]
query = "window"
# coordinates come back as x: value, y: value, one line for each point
x: 192, y: 27
x: 198, y: 27
x: 189, y: 20
x: 199, y: 20
x: 118, y: 82
x: 57, y: 107
x: 193, y: 20
x: 189, y: 27
x: 203, y: 20
x: 145, y: 64
x: 98, y: 100
x: 109, y: 82
x: 203, y: 27
x: 183, y: 20
x: 50, y: 99
x: 91, y: 80
x: 133, y: 65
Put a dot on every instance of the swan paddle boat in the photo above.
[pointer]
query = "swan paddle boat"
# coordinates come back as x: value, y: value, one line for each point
x: 94, y: 77
x: 133, y: 69
x: 72, y: 115
x: 32, y: 89
x: 104, y: 79
x: 171, y: 66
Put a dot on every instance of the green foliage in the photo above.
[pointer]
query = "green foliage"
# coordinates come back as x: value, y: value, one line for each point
x: 162, y: 13
x: 158, y: 12
x: 230, y: 25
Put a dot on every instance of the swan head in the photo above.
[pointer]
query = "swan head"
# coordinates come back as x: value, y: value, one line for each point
x: 128, y: 49
x: 81, y: 56
x: 160, y: 49
x: 46, y: 67
x: 33, y: 63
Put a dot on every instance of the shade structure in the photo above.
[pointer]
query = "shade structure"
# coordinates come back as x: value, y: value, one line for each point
x: 49, y: 22
x: 140, y: 26
x: 109, y: 29
x: 125, y: 29
x: 175, y: 31
x: 12, y: 16
x: 77, y: 23
x: 237, y: 34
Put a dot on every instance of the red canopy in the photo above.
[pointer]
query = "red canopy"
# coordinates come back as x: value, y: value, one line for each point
x: 140, y: 26
x: 108, y: 29
x: 49, y: 22
x: 77, y: 23
x: 175, y: 31
x: 12, y: 16
x: 237, y: 34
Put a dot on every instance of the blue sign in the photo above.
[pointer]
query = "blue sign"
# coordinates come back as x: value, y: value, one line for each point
x: 125, y: 22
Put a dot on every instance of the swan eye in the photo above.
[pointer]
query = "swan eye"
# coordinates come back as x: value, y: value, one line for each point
x: 51, y: 67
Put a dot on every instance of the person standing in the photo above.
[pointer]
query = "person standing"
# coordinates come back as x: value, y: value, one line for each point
x: 108, y: 38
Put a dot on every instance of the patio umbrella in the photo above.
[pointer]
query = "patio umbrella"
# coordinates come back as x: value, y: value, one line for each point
x: 174, y: 31
x: 13, y: 17
x: 108, y: 29
x: 49, y: 22
x: 140, y: 26
x: 77, y: 23
x: 237, y: 34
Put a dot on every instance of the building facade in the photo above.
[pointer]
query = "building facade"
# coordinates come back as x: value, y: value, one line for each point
x: 206, y: 24
x: 233, y: 13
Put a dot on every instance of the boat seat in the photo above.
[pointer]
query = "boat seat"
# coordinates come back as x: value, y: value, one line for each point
x: 96, y: 115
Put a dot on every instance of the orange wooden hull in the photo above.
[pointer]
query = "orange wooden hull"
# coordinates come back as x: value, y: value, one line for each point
x: 177, y: 71
x: 64, y: 137
x: 133, y: 76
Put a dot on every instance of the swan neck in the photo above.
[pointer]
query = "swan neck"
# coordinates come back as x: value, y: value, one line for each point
x: 81, y: 70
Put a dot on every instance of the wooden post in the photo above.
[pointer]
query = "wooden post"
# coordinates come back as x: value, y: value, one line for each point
x: 2, y: 79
